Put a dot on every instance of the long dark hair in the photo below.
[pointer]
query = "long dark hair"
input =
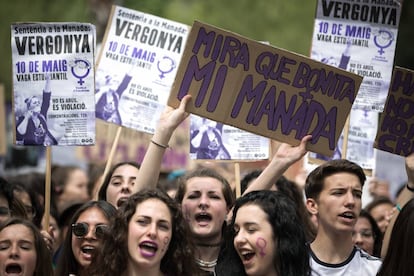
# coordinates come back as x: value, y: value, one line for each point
x: 291, y: 256
x: 376, y: 231
x: 179, y: 258
x: 400, y: 253
x: 67, y: 263
x: 108, y: 176
x: 43, y: 257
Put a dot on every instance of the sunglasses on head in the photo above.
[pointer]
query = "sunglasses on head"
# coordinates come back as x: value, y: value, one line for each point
x: 81, y: 229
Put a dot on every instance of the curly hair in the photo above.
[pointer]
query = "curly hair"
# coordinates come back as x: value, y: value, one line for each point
x: 43, y: 257
x: 178, y: 259
x: 291, y: 256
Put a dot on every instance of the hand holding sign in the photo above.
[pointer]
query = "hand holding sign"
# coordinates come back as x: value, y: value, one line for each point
x: 291, y: 154
x: 170, y: 119
x: 285, y: 156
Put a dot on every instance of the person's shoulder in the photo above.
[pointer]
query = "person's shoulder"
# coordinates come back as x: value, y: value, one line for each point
x: 369, y: 264
x: 365, y: 257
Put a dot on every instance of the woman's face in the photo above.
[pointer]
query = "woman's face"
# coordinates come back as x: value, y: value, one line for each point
x: 254, y: 240
x: 83, y: 247
x: 24, y: 197
x: 204, y: 207
x: 76, y: 187
x: 35, y: 104
x: 382, y: 215
x: 149, y: 234
x: 363, y: 236
x: 120, y: 184
x: 17, y: 251
x: 4, y: 208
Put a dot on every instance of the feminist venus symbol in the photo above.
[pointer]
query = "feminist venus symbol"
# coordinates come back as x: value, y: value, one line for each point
x: 261, y: 244
x: 82, y: 66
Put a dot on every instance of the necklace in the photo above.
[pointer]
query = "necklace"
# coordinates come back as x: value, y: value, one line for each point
x: 205, y: 264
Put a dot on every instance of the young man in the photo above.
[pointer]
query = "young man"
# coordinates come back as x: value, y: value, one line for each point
x: 333, y: 191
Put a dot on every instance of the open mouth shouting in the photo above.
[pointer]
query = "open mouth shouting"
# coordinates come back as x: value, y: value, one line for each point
x: 14, y: 269
x: 148, y: 248
x: 203, y: 218
x: 121, y: 201
x: 87, y: 251
x: 348, y: 216
x: 246, y: 255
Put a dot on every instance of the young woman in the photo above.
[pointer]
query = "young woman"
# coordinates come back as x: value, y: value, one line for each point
x: 205, y: 195
x: 118, y: 183
x: 367, y: 235
x: 400, y: 253
x: 269, y: 235
x: 9, y: 204
x: 147, y: 237
x: 69, y: 184
x: 22, y: 249
x: 84, y: 238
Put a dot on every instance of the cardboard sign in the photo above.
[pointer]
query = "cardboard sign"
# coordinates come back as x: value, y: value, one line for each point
x: 263, y: 89
x: 396, y: 129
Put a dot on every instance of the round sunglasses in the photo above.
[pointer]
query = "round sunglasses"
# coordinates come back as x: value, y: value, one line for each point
x: 81, y: 229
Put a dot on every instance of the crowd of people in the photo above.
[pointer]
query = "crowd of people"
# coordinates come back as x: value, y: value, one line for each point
x: 129, y: 225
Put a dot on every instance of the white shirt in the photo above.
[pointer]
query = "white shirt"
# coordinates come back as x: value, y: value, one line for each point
x: 359, y: 263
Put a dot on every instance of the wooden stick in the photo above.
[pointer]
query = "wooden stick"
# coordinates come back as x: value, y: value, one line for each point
x: 48, y: 186
x: 109, y: 161
x: 237, y: 179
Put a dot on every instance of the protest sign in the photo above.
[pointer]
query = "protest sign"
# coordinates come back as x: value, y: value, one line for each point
x: 53, y: 83
x: 213, y: 140
x: 356, y: 141
x: 396, y: 128
x: 359, y: 36
x: 263, y: 89
x: 363, y: 125
x: 136, y: 67
x: 133, y: 145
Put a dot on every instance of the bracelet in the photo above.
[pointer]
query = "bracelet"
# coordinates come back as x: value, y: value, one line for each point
x: 160, y: 145
x: 411, y: 189
x: 398, y: 207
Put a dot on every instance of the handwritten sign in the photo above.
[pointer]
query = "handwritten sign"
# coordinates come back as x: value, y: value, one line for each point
x: 263, y: 89
x: 396, y: 130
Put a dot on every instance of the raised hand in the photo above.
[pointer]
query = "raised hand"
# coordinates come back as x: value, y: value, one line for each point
x: 291, y: 153
x: 171, y: 118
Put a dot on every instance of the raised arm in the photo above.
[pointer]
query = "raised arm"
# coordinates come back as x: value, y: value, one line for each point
x: 285, y: 156
x: 406, y: 194
x: 151, y: 165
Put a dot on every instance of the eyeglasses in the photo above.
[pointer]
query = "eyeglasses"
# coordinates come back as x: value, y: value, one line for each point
x: 4, y: 211
x: 81, y: 229
x: 366, y: 234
